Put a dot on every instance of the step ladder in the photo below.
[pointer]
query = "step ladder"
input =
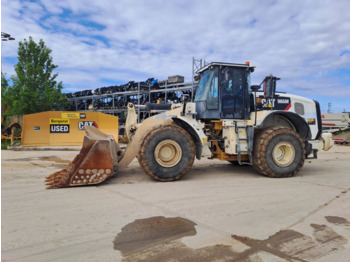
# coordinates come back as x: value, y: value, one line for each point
x: 244, y: 144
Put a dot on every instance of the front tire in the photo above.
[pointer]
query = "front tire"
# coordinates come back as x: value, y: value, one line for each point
x: 167, y: 153
x: 278, y: 152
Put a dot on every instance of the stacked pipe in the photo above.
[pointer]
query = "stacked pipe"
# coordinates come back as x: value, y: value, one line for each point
x: 122, y: 98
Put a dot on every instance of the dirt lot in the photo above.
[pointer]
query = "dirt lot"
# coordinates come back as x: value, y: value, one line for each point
x: 217, y: 212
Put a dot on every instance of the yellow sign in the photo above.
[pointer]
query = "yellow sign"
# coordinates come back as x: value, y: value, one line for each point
x: 50, y: 129
x: 70, y: 115
x: 59, y: 121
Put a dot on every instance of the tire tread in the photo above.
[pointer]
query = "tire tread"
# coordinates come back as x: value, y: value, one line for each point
x: 259, y: 154
x: 144, y: 149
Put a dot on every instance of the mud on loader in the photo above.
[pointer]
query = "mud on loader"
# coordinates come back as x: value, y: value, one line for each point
x: 228, y: 120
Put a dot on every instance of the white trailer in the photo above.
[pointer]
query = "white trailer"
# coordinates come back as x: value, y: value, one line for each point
x: 339, y: 125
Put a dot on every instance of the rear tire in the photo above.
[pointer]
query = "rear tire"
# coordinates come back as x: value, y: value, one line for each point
x: 167, y: 153
x: 278, y: 152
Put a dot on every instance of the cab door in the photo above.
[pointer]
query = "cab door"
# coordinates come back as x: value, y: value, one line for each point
x: 234, y: 93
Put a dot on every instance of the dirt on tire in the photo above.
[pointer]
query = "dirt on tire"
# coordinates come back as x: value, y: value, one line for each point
x: 262, y: 160
x: 146, y: 155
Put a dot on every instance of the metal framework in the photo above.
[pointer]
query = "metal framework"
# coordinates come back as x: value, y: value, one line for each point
x: 140, y: 97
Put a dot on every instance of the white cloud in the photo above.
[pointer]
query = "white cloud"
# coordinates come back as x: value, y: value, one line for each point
x: 299, y: 41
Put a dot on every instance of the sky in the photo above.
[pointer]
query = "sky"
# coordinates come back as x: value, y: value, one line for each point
x: 101, y: 43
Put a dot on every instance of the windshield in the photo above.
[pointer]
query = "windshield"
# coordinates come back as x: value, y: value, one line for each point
x: 207, y: 78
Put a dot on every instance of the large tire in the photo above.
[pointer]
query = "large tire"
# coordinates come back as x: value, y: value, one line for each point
x: 278, y: 152
x: 167, y: 153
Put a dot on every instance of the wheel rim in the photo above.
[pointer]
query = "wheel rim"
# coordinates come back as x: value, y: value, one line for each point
x: 168, y: 153
x: 283, y: 154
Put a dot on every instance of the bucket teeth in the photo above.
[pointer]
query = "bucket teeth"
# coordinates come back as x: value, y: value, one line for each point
x: 57, y: 179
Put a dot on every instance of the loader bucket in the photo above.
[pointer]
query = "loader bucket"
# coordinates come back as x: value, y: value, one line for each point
x: 97, y: 161
x: 101, y: 157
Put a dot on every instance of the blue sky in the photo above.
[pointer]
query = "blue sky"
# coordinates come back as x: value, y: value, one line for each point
x: 101, y: 43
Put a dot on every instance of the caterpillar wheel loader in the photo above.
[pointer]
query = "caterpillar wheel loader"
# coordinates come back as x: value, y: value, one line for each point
x: 229, y: 119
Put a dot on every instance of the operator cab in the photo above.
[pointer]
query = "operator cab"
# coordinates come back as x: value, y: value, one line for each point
x: 224, y: 91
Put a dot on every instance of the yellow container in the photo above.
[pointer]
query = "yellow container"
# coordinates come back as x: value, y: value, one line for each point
x: 63, y: 128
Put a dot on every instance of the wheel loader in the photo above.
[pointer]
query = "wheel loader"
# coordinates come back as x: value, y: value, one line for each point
x: 229, y: 119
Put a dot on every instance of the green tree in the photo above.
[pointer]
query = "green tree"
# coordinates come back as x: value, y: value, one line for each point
x: 34, y: 86
x: 4, y: 87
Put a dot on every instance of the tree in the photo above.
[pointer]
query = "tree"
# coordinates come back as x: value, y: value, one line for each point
x: 34, y: 86
x: 4, y: 87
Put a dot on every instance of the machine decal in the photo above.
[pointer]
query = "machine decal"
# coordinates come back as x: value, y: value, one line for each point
x: 288, y: 107
x: 277, y: 103
x: 311, y: 121
x: 36, y: 128
x: 83, y: 124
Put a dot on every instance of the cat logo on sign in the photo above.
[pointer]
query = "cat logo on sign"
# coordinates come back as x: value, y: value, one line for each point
x: 83, y: 124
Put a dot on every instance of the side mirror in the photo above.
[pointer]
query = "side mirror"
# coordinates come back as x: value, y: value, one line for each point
x: 255, y: 88
x: 270, y: 86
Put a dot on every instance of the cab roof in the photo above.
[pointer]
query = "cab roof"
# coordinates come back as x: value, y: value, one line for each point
x: 223, y: 64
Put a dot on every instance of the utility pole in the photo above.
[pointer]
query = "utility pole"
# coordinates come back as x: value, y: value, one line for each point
x: 329, y: 107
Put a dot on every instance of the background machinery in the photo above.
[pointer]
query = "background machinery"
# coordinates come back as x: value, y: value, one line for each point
x: 339, y: 125
x: 229, y: 119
